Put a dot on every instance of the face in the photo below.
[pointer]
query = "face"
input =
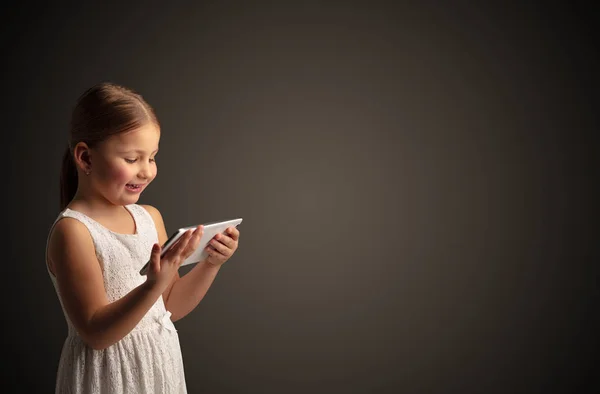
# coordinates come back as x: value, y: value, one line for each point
x: 124, y: 165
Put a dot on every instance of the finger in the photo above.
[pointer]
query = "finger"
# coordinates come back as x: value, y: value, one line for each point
x: 212, y: 252
x: 234, y: 233
x: 194, y: 241
x: 198, y: 236
x: 225, y: 240
x: 155, y: 258
x: 219, y: 247
x: 181, y: 244
x: 172, y: 250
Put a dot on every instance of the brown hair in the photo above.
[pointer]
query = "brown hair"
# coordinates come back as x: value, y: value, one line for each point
x: 101, y: 111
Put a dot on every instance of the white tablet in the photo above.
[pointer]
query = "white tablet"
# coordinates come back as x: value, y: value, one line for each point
x: 210, y: 230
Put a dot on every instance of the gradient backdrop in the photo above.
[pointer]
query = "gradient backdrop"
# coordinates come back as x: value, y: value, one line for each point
x: 415, y: 183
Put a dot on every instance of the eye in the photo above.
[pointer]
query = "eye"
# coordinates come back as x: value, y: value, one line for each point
x: 131, y: 161
x: 153, y: 160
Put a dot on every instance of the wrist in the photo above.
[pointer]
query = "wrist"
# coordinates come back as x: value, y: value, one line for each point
x: 211, y: 266
x: 151, y: 287
x: 205, y: 266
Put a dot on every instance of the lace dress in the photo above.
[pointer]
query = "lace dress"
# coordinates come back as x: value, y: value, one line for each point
x: 148, y: 359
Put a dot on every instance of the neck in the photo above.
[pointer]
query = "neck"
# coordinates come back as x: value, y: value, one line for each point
x: 92, y: 202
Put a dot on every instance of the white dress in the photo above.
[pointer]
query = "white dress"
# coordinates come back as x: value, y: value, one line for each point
x: 148, y: 359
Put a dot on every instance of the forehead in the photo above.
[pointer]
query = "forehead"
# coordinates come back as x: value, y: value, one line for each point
x: 145, y: 138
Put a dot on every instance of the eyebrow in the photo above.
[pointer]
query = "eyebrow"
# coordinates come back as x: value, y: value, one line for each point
x: 136, y: 151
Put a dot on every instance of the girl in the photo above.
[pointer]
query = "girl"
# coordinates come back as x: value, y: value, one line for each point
x: 121, y: 337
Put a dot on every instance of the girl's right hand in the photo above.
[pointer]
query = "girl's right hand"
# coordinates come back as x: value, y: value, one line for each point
x: 161, y: 270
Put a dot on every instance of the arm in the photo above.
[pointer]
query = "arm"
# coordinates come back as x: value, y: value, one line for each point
x: 187, y: 292
x: 183, y: 294
x: 73, y: 262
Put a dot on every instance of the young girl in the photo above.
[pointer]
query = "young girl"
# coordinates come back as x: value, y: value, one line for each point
x: 121, y: 337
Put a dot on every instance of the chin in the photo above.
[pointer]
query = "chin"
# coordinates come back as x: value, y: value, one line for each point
x: 126, y: 200
x: 132, y: 199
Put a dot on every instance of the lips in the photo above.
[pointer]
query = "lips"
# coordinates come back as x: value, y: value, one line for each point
x: 135, y: 186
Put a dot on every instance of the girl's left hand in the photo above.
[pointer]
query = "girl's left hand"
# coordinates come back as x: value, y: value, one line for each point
x: 222, y: 246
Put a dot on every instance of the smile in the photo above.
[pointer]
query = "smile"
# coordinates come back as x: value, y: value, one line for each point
x: 134, y: 187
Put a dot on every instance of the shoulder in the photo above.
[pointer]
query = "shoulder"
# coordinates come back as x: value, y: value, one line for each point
x: 159, y: 224
x: 68, y: 229
x: 68, y: 236
x: 154, y: 212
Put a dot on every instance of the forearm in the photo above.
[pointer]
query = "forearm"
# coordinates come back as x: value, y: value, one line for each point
x: 114, y: 321
x: 188, y: 291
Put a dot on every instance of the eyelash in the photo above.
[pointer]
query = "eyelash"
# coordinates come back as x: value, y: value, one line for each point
x: 134, y: 160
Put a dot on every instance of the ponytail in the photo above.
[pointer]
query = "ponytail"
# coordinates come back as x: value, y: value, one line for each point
x: 68, y: 179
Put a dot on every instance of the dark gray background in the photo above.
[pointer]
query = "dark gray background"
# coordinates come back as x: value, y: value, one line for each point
x: 415, y: 183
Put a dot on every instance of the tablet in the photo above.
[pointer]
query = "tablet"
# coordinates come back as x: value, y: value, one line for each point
x: 210, y: 230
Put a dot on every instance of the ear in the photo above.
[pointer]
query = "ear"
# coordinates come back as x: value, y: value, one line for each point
x: 82, y: 155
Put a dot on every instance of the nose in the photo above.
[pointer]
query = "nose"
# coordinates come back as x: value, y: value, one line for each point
x: 145, y: 171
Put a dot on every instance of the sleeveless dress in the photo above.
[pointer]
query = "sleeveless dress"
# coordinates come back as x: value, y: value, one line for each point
x: 148, y: 359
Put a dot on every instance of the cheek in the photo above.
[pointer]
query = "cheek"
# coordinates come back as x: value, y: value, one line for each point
x: 119, y: 174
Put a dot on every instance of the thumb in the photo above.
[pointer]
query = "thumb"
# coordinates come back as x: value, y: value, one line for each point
x: 155, y: 258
